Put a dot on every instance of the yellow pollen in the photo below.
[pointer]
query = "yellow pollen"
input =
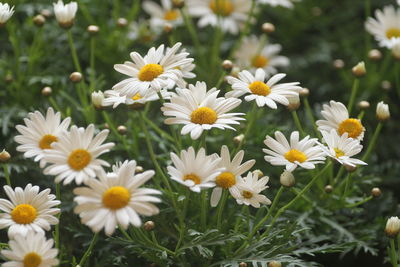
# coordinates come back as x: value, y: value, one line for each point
x: 259, y: 88
x: 351, y: 126
x: 295, y: 155
x: 172, y: 14
x: 339, y: 153
x: 193, y: 177
x: 79, y: 159
x: 259, y: 61
x: 136, y: 97
x: 150, y: 71
x: 45, y: 142
x: 393, y: 32
x: 225, y: 180
x: 222, y: 7
x: 247, y: 194
x: 204, y: 115
x: 116, y: 197
x: 23, y: 214
x: 32, y: 260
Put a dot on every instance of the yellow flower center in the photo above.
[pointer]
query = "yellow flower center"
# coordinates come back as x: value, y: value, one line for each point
x: 351, y: 126
x: 116, y: 197
x: 247, y: 194
x: 339, y: 153
x: 193, y: 177
x: 393, y: 32
x: 136, y: 97
x: 32, y: 260
x: 45, y: 142
x: 150, y: 71
x: 79, y: 159
x: 225, y: 180
x: 259, y: 61
x: 23, y: 214
x: 295, y: 155
x: 172, y: 14
x: 259, y: 88
x: 222, y: 7
x: 204, y: 115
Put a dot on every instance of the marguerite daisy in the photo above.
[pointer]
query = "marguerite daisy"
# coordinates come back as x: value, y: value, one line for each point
x: 74, y: 156
x: 28, y: 210
x: 196, y: 171
x: 114, y: 99
x: 250, y: 188
x: 228, y: 179
x: 39, y: 133
x: 32, y: 250
x: 199, y: 110
x: 304, y: 153
x: 5, y: 13
x: 263, y: 92
x: 274, y: 3
x: 160, y: 15
x: 116, y: 199
x: 65, y: 14
x: 337, y: 118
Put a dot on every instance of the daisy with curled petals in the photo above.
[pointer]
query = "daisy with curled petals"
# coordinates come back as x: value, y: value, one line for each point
x: 230, y: 15
x: 32, y: 250
x: 65, y: 14
x: 342, y: 148
x: 337, y: 118
x: 114, y: 99
x: 74, y: 156
x: 28, y: 210
x: 39, y: 133
x: 250, y: 188
x: 153, y: 72
x: 228, y: 179
x: 161, y: 15
x: 199, y: 110
x: 386, y: 27
x: 5, y: 13
x: 115, y: 199
x: 196, y: 171
x: 254, y: 54
x: 263, y: 92
x: 304, y: 153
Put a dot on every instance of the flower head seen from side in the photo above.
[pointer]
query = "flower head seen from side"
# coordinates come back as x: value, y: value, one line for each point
x: 274, y: 3
x: 75, y: 155
x: 39, y: 133
x: 28, y: 210
x: 337, y: 118
x: 116, y: 198
x: 114, y: 99
x: 263, y: 92
x: 228, y: 179
x: 6, y: 11
x: 385, y: 27
x: 155, y: 71
x: 162, y: 14
x: 65, y: 14
x: 304, y: 153
x: 230, y: 15
x: 196, y: 171
x: 341, y: 148
x: 199, y: 110
x: 250, y: 188
x: 382, y: 111
x: 254, y: 54
x: 32, y: 250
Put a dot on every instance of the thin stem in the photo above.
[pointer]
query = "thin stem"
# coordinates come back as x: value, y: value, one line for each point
x: 252, y: 117
x: 372, y: 143
x: 182, y: 228
x: 221, y: 209
x: 311, y: 116
x: 393, y: 254
x: 193, y: 33
x: 92, y: 63
x: 6, y: 174
x: 203, y: 209
x: 89, y: 250
x: 353, y: 95
x: 360, y: 202
x: 73, y: 51
x: 347, y: 185
x: 297, y: 122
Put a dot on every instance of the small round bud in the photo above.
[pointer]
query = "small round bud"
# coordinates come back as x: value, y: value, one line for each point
x: 39, y: 20
x: 149, y: 226
x: 235, y: 71
x: 75, y: 77
x: 136, y: 106
x: 106, y: 126
x: 227, y: 65
x: 67, y: 24
x: 338, y: 64
x: 8, y: 78
x: 242, y: 264
x: 316, y: 11
x: 238, y: 139
x: 359, y: 69
x: 93, y: 29
x: 121, y: 129
x: 386, y: 85
x: 382, y: 111
x: 396, y: 51
x: 392, y: 228
x: 97, y: 99
x: 178, y: 3
x: 168, y: 27
x: 294, y: 102
x: 46, y: 91
x: 46, y: 13
x: 139, y: 169
x: 274, y: 264
x: 374, y: 54
x: 287, y: 179
x: 376, y: 192
x: 259, y: 173
x: 122, y: 22
x: 4, y: 156
x: 304, y: 92
x: 350, y: 168
x: 268, y: 27
x: 363, y: 104
x: 328, y: 188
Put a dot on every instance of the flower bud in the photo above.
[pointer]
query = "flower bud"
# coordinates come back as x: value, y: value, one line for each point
x: 238, y: 139
x: 294, y: 102
x: 274, y: 264
x: 242, y: 264
x: 374, y: 54
x: 106, y: 126
x: 328, y: 188
x: 39, y: 20
x: 93, y: 29
x: 268, y: 27
x: 122, y: 22
x: 4, y: 156
x: 121, y: 130
x: 338, y: 64
x: 75, y: 77
x: 8, y: 78
x: 227, y: 65
x: 139, y: 169
x: 178, y: 3
x: 359, y: 69
x: 149, y: 226
x: 97, y: 99
x: 396, y: 51
x: 168, y: 28
x: 287, y: 179
x: 363, y: 105
x: 235, y: 71
x: 392, y: 226
x: 46, y: 13
x: 304, y: 92
x: 350, y: 168
x: 46, y: 91
x: 376, y: 192
x: 386, y: 85
x: 382, y: 111
x: 259, y: 173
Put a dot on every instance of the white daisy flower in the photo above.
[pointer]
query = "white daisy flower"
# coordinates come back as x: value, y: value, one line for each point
x: 75, y: 155
x: 230, y: 15
x: 342, y: 148
x: 199, y: 110
x: 5, y: 13
x: 116, y: 199
x: 304, y: 153
x: 263, y: 92
x: 250, y: 188
x: 32, y: 250
x: 337, y: 118
x: 253, y: 54
x: 196, y: 171
x: 114, y: 99
x: 274, y: 3
x: 155, y: 71
x: 65, y: 14
x: 161, y: 15
x: 28, y: 210
x: 228, y: 179
x: 386, y: 27
x: 40, y: 133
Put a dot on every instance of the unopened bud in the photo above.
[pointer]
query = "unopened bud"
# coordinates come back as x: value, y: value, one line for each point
x: 392, y: 228
x: 382, y: 111
x: 97, y: 99
x: 328, y: 188
x: 350, y: 168
x: 139, y: 169
x: 75, y: 77
x: 259, y: 173
x: 46, y: 13
x: 149, y: 225
x: 274, y: 264
x: 66, y: 24
x: 242, y: 264
x: 386, y: 85
x: 227, y: 65
x: 106, y: 126
x: 396, y: 51
x: 93, y: 29
x: 294, y: 102
x: 374, y: 54
x: 4, y: 156
x: 359, y: 69
x: 46, y: 91
x: 376, y: 192
x: 363, y: 104
x: 338, y: 64
x: 168, y: 27
x: 39, y: 20
x: 287, y: 179
x: 121, y: 129
x: 304, y: 92
x: 238, y: 139
x: 268, y: 27
x: 235, y: 71
x: 178, y: 3
x: 8, y: 78
x: 122, y: 22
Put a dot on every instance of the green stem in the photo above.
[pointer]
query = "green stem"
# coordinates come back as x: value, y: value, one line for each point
x: 89, y: 250
x: 221, y: 209
x: 393, y: 254
x: 252, y: 117
x: 6, y: 174
x: 372, y: 143
x: 193, y: 33
x: 182, y: 228
x: 353, y: 95
x: 360, y: 202
x: 311, y: 116
x: 92, y: 63
x: 347, y: 185
x: 203, y: 209
x: 297, y: 122
x: 73, y: 51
